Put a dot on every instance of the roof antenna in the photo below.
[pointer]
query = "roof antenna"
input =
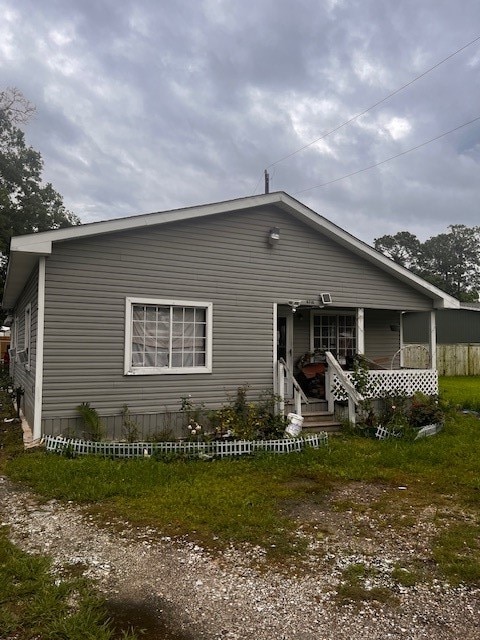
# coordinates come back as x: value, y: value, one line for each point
x: 267, y: 182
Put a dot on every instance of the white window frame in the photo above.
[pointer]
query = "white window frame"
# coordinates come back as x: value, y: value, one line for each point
x: 167, y: 370
x: 336, y: 315
x: 27, y: 337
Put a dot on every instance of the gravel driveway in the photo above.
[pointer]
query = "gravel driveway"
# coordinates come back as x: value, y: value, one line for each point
x: 179, y: 591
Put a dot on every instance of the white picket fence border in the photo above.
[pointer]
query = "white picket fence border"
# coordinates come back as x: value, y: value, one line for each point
x: 59, y: 444
x: 429, y: 430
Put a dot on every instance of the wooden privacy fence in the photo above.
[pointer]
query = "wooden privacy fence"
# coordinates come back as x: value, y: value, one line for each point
x: 217, y: 449
x: 452, y: 359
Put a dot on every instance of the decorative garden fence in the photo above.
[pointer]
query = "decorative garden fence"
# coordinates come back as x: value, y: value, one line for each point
x: 217, y: 449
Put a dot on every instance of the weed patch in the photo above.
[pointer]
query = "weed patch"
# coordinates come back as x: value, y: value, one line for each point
x: 457, y: 553
x: 357, y: 586
x: 36, y: 604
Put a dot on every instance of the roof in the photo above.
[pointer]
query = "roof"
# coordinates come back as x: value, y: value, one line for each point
x: 26, y: 250
x: 470, y: 306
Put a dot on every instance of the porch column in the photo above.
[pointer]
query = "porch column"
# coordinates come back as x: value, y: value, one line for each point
x: 401, y: 343
x: 360, y: 330
x: 433, y: 340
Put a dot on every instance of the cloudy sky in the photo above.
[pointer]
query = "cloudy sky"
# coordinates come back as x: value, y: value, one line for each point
x: 147, y: 105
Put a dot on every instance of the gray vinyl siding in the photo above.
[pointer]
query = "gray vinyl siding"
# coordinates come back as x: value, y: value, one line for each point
x: 381, y: 342
x: 453, y: 327
x: 22, y: 376
x: 222, y: 259
x: 301, y: 335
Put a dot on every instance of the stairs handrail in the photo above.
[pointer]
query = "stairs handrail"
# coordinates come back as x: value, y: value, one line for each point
x: 353, y: 396
x: 296, y: 386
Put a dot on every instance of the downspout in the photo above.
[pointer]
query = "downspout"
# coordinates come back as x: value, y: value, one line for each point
x: 37, y: 411
x: 274, y: 351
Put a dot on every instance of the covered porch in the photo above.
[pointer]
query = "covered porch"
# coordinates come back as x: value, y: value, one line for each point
x: 316, y: 347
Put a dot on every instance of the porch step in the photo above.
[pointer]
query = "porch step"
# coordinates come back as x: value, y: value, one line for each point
x: 316, y: 417
x: 315, y: 421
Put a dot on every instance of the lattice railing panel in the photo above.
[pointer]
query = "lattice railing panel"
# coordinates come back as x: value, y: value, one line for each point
x: 396, y: 382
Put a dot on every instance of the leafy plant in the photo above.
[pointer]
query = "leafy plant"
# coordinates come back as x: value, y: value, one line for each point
x: 129, y: 427
x: 367, y: 418
x: 94, y: 429
x: 425, y: 410
x: 248, y: 420
x: 192, y: 412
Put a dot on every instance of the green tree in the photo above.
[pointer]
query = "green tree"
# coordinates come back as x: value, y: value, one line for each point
x: 450, y: 261
x: 27, y: 204
x: 404, y: 248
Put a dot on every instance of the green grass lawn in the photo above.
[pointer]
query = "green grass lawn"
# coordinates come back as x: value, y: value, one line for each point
x: 461, y: 391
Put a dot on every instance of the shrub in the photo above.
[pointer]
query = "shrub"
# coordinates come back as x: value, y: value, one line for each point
x: 93, y: 426
x: 425, y: 410
x: 248, y: 420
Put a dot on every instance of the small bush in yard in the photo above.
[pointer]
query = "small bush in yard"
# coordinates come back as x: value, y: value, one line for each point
x: 425, y: 410
x: 248, y: 420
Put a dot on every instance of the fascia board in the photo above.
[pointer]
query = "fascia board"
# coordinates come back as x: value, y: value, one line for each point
x: 29, y: 241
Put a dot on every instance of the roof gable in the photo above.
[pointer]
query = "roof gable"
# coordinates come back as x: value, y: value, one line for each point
x: 26, y: 250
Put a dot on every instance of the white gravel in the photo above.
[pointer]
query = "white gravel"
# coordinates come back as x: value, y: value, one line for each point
x: 232, y: 597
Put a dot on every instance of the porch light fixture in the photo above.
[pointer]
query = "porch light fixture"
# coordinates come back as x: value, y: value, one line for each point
x: 325, y: 298
x: 273, y: 236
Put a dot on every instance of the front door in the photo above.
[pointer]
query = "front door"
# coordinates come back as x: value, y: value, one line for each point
x: 284, y: 345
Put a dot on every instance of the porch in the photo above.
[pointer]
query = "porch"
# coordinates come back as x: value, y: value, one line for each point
x: 316, y: 348
x: 320, y: 414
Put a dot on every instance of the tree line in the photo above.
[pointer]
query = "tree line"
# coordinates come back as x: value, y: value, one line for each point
x: 450, y: 261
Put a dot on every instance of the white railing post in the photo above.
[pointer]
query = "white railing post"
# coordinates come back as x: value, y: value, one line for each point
x: 353, y: 396
x: 281, y: 387
x: 328, y: 391
x: 351, y: 410
x: 298, y: 402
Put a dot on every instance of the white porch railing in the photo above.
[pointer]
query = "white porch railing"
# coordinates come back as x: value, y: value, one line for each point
x: 336, y: 378
x: 284, y: 374
x: 381, y: 383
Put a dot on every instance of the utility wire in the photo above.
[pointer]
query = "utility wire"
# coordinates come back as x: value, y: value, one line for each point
x: 390, y: 95
x: 402, y: 153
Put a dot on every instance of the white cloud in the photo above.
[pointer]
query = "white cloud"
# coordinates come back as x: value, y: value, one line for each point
x: 398, y: 128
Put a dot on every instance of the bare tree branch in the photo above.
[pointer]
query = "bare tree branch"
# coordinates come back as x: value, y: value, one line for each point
x: 18, y: 109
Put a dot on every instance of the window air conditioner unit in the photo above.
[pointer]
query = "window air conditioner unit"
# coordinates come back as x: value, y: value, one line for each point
x: 325, y: 298
x: 22, y: 356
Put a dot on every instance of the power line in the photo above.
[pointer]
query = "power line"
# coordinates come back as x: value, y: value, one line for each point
x: 390, y: 95
x: 402, y: 153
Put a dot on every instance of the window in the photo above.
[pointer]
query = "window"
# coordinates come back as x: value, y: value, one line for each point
x: 336, y: 334
x: 168, y: 336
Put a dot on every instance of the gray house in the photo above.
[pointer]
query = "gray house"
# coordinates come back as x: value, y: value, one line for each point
x: 197, y: 302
